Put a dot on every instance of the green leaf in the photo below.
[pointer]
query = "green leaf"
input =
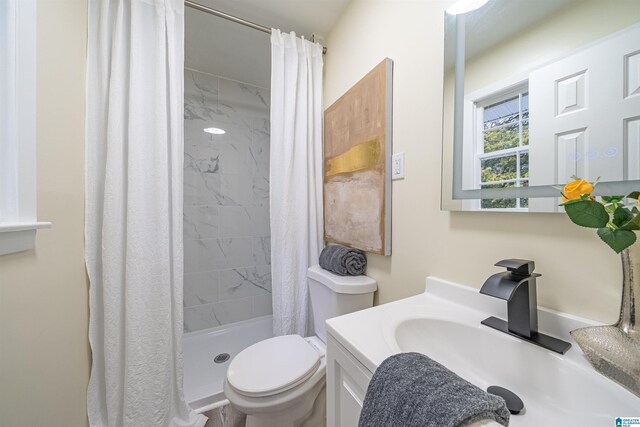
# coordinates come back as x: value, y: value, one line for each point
x: 570, y: 202
x: 612, y: 199
x: 618, y: 240
x: 634, y: 195
x: 587, y: 213
x: 631, y: 224
x: 621, y: 215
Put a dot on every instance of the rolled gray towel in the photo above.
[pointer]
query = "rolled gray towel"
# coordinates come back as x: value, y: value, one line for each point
x: 411, y: 390
x: 343, y: 261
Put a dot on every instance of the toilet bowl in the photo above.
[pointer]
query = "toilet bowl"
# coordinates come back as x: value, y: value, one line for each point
x: 280, y: 382
x: 271, y: 394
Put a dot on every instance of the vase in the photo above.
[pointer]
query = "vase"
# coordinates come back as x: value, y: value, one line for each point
x: 614, y: 350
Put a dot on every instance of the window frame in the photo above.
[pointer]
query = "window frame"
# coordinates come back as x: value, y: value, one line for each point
x: 18, y: 216
x: 501, y: 96
x: 473, y: 131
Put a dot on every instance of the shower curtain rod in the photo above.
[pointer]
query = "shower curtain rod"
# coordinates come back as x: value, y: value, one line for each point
x: 206, y: 9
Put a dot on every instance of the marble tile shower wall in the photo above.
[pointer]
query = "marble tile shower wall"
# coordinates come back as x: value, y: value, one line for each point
x: 226, y: 202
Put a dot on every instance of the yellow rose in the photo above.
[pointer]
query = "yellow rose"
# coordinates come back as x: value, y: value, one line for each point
x: 574, y: 189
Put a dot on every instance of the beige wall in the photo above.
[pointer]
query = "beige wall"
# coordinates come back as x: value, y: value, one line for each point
x: 580, y: 274
x: 44, y: 352
x: 570, y: 29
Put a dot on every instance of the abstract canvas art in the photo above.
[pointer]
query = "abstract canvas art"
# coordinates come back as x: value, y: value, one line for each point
x: 357, y: 164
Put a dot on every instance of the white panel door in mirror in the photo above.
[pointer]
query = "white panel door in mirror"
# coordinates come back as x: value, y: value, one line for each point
x: 570, y: 147
x: 632, y: 141
x: 632, y: 74
x: 571, y: 94
x: 583, y: 93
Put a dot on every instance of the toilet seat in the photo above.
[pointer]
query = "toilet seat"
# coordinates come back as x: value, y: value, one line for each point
x: 273, y: 366
x: 289, y: 401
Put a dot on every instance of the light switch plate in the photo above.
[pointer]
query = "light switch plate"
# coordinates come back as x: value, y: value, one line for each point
x: 397, y: 166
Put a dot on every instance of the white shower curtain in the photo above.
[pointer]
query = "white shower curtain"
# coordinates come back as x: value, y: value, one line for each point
x: 295, y: 177
x: 133, y: 225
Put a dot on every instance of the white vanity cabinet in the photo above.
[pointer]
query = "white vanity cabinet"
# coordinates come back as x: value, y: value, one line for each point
x: 347, y: 382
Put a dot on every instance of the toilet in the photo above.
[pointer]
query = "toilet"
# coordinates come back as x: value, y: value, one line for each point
x: 280, y: 382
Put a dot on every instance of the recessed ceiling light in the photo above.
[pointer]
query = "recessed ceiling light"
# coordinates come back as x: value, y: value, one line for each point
x: 215, y: 131
x: 464, y: 6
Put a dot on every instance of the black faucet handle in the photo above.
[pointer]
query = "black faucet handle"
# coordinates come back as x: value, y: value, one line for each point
x: 519, y: 267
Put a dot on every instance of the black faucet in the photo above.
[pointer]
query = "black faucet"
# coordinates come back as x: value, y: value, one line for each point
x: 517, y: 286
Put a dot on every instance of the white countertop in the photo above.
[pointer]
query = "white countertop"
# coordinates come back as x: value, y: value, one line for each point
x: 369, y: 336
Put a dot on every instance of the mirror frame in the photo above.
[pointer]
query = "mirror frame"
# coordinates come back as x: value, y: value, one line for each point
x: 458, y: 193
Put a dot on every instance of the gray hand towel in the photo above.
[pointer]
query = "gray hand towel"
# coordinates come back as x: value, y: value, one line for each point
x: 411, y: 390
x: 343, y: 261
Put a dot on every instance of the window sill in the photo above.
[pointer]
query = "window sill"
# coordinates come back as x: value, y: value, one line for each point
x: 18, y: 237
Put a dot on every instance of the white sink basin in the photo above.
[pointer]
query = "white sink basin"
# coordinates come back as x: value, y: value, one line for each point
x: 444, y: 324
x: 548, y: 383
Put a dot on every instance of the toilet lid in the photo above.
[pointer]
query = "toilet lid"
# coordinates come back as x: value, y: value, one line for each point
x: 273, y: 365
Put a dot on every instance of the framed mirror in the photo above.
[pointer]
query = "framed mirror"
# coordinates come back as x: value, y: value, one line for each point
x: 536, y: 92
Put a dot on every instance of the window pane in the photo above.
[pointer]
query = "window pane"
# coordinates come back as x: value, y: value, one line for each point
x: 498, y: 203
x: 501, y: 113
x: 505, y: 127
x: 524, y: 165
x: 524, y: 202
x: 501, y: 138
x: 498, y: 169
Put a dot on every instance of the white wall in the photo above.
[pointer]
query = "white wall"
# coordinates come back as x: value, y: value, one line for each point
x: 580, y: 274
x: 44, y: 351
x: 226, y: 227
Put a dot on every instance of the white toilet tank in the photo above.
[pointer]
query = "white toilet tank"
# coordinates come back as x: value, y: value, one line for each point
x: 333, y: 295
